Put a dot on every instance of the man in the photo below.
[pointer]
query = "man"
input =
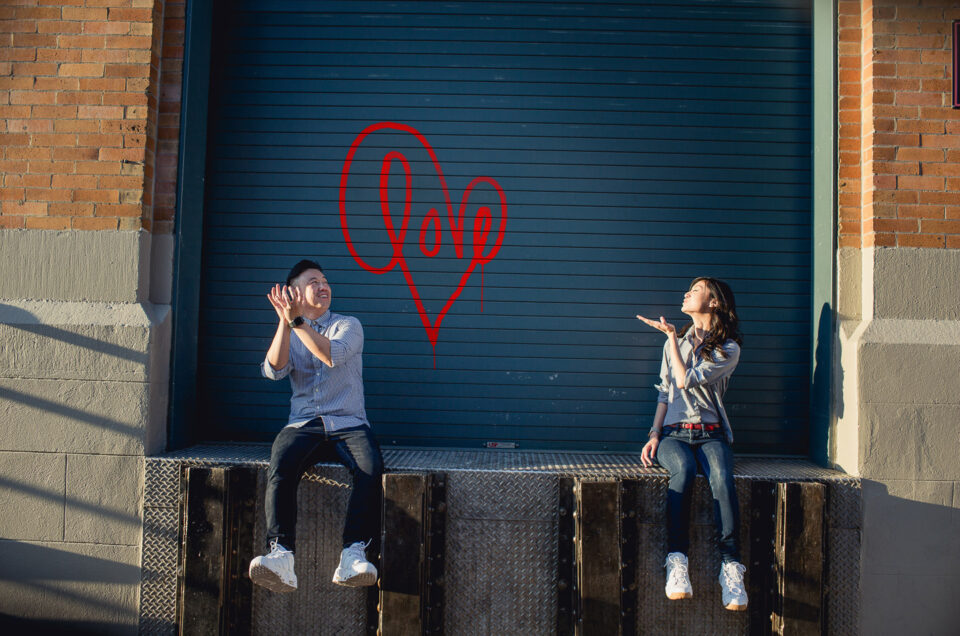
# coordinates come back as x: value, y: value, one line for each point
x: 321, y: 353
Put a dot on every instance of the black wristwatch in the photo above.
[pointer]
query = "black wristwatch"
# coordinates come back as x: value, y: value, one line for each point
x: 296, y: 322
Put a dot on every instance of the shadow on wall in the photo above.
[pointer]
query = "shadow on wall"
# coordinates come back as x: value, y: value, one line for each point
x: 910, y: 559
x: 36, y: 579
x: 25, y: 321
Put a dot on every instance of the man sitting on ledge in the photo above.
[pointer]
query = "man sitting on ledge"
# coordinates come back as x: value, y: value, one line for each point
x: 328, y: 422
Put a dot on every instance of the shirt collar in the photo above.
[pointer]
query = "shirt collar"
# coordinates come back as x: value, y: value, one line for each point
x: 323, y: 321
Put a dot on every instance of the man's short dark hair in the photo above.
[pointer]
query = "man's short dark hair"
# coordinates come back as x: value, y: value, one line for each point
x: 300, y: 268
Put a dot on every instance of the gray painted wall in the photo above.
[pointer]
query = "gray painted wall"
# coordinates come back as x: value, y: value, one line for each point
x: 83, y: 392
x: 898, y: 427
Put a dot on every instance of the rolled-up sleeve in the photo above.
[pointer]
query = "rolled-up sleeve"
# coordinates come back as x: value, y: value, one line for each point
x: 715, y: 368
x: 346, y: 340
x: 267, y: 370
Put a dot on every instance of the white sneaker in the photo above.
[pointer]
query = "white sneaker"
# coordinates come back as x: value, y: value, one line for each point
x: 274, y: 571
x: 354, y: 569
x: 731, y: 580
x: 678, y: 579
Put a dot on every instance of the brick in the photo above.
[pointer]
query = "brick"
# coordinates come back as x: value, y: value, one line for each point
x: 896, y: 139
x: 34, y: 68
x: 880, y: 240
x: 34, y: 39
x: 137, y: 56
x: 952, y: 211
x: 56, y: 84
x: 952, y: 127
x: 933, y: 226
x: 71, y: 209
x: 134, y: 141
x: 98, y: 167
x: 38, y: 13
x: 920, y: 41
x: 919, y: 240
x: 111, y: 28
x: 121, y: 182
x: 936, y: 57
x: 896, y: 84
x: 919, y: 154
x: 136, y: 112
x: 935, y: 27
x: 26, y: 153
x: 897, y: 112
x: 131, y: 15
x: 940, y: 141
x: 11, y: 222
x: 100, y: 112
x: 948, y: 198
x: 74, y: 154
x: 119, y: 209
x: 29, y: 208
x: 8, y: 193
x: 82, y: 41
x: 78, y: 97
x: 127, y: 42
x: 124, y: 99
x: 41, y: 140
x: 138, y: 84
x: 953, y: 242
x: 58, y: 55
x: 93, y: 223
x: 920, y: 99
x: 892, y: 225
x: 74, y: 181
x: 100, y: 140
x: 121, y: 154
x: 132, y: 223
x: 96, y: 196
x: 894, y: 167
x: 131, y: 168
x: 935, y: 112
x: 920, y: 70
x: 896, y: 55
x: 46, y: 194
x: 931, y: 126
x: 132, y: 196
x: 55, y: 112
x: 18, y: 26
x: 50, y: 26
x: 111, y: 56
x: 50, y: 167
x: 81, y: 70
x: 76, y: 125
x: 47, y: 223
x: 83, y: 14
x: 126, y: 70
x: 942, y: 169
x: 921, y: 211
x: 920, y: 183
x: 30, y: 125
x: 141, y: 28
x: 101, y: 84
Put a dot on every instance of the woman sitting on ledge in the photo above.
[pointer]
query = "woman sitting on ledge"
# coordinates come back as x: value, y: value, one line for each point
x: 691, y: 428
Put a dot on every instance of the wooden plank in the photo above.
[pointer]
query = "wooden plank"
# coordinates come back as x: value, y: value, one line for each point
x: 598, y: 557
x: 761, y: 583
x: 240, y: 520
x: 567, y: 600
x: 800, y: 553
x: 434, y: 545
x: 204, y: 564
x: 402, y: 556
x: 629, y: 556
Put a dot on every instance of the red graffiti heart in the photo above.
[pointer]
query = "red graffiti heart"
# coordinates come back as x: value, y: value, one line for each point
x: 479, y: 236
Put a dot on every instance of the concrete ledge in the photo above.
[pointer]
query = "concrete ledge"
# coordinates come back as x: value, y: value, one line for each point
x: 76, y: 265
x: 90, y: 341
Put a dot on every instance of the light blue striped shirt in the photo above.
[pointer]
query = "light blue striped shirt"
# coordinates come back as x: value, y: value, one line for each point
x: 335, y: 393
x: 706, y: 381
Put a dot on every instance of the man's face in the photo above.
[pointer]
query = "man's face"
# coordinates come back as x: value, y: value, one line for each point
x: 315, y: 288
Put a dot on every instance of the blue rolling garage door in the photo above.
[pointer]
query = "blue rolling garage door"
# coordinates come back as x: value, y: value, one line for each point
x: 637, y: 145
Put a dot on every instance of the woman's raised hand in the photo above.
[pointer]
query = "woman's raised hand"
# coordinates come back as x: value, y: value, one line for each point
x: 662, y: 325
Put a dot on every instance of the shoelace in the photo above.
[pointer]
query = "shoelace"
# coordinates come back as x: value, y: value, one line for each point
x: 733, y: 576
x: 358, y: 550
x: 679, y: 571
x: 275, y: 547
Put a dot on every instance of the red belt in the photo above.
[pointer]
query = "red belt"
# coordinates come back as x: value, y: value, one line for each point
x: 712, y: 426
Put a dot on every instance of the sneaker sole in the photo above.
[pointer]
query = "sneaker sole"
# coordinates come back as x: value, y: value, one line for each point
x: 265, y: 577
x: 735, y: 608
x: 365, y: 579
x: 677, y: 596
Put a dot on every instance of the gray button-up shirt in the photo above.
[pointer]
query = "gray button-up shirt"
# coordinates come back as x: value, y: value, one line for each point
x: 701, y: 399
x: 332, y: 393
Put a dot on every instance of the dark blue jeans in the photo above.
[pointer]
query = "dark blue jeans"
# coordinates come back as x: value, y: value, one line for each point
x: 297, y: 449
x: 680, y: 452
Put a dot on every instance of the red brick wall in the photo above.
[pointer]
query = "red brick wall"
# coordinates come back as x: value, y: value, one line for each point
x: 899, y: 138
x: 78, y: 113
x: 168, y: 136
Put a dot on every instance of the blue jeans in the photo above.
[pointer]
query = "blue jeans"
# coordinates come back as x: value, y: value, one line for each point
x: 297, y: 449
x: 681, y: 451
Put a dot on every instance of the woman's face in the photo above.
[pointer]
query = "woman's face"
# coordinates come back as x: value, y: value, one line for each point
x: 697, y: 300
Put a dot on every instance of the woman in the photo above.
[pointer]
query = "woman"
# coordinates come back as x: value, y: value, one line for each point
x: 691, y: 428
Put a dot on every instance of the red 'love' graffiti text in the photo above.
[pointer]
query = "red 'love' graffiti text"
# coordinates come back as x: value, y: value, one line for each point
x: 430, y: 238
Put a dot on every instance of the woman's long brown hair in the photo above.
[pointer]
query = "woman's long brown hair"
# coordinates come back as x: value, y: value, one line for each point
x: 724, y: 324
